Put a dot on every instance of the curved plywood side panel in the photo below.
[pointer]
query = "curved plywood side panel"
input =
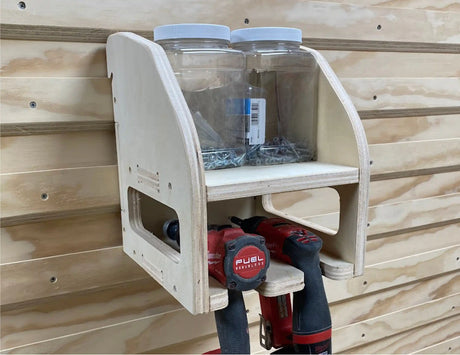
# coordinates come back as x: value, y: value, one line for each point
x: 158, y: 155
x: 341, y: 140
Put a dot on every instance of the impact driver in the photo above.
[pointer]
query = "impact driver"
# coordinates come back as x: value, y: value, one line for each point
x: 311, y: 319
x: 239, y: 261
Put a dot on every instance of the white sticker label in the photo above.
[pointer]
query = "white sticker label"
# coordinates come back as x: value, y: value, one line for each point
x: 256, y: 112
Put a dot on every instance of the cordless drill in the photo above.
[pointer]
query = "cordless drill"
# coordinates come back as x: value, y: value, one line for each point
x: 239, y: 261
x: 311, y: 319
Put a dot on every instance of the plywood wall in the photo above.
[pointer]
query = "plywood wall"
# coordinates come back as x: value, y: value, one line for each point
x: 67, y: 287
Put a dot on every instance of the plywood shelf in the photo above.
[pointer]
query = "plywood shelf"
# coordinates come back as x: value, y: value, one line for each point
x: 158, y: 153
x: 249, y: 181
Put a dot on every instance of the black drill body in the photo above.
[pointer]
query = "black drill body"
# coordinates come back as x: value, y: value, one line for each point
x: 311, y: 323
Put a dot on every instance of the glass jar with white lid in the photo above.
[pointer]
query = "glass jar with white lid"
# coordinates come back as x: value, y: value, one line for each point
x: 211, y: 77
x: 283, y: 83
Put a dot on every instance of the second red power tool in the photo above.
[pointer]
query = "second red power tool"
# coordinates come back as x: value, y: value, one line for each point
x: 311, y: 319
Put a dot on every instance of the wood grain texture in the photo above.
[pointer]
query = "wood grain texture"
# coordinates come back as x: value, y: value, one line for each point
x: 377, y: 64
x: 57, y: 193
x: 396, y: 322
x: 415, y: 340
x: 413, y: 156
x: 445, y: 347
x: 57, y: 151
x: 402, y: 93
x: 132, y: 336
x: 419, y: 25
x: 395, y: 272
x: 394, y: 299
x: 394, y: 218
x: 73, y: 313
x: 56, y: 99
x: 62, y: 236
x: 52, y: 59
x: 440, y: 5
x: 406, y: 244
x: 31, y: 280
x: 407, y: 129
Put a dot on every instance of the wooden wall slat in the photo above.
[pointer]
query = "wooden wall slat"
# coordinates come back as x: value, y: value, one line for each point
x: 393, y: 218
x: 409, y: 156
x: 30, y: 280
x: 439, y: 5
x: 62, y: 236
x: 413, y: 340
x: 449, y: 346
x: 132, y: 336
x: 396, y: 24
x: 405, y: 244
x: 21, y: 58
x: 68, y: 191
x: 318, y: 201
x: 74, y: 313
x: 52, y: 59
x: 402, y: 93
x: 376, y: 64
x: 57, y: 151
x: 396, y: 322
x: 404, y: 129
x: 57, y: 100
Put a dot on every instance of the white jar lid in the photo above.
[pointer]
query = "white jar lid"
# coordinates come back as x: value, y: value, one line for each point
x: 191, y: 30
x: 287, y: 34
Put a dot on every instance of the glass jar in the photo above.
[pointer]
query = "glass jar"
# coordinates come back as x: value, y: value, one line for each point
x: 283, y: 80
x: 211, y: 76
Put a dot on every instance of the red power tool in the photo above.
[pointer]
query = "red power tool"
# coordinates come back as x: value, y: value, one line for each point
x: 311, y: 319
x: 239, y: 261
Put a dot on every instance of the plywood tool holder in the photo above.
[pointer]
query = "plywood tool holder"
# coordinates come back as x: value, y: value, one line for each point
x: 159, y: 159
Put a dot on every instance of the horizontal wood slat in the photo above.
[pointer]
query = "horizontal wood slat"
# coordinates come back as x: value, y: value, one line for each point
x: 415, y: 339
x: 396, y: 322
x: 42, y: 100
x: 58, y: 193
x: 406, y: 244
x: 394, y: 218
x: 128, y: 340
x: 448, y: 346
x: 419, y: 25
x: 59, y: 275
x: 62, y: 236
x: 31, y: 104
x: 405, y: 129
x: 377, y: 64
x: 57, y: 151
x: 396, y: 158
x: 439, y: 5
x: 52, y: 59
x: 402, y: 93
x: 20, y: 58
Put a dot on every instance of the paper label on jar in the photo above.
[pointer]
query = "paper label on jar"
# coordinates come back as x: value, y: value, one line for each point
x: 255, y: 113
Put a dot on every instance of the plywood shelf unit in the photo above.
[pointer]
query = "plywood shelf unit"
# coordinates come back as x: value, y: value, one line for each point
x: 159, y: 158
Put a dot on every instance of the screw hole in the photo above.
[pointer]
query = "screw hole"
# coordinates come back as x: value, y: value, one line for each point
x: 32, y: 104
x: 363, y: 335
x: 368, y: 224
x: 458, y: 258
x: 449, y: 349
x: 379, y: 27
x: 44, y: 196
x: 53, y: 279
x: 174, y: 288
x: 169, y: 186
x: 134, y: 252
x: 371, y: 162
x: 22, y: 5
x: 246, y: 21
x: 453, y: 307
x: 375, y: 97
x: 365, y: 283
x: 114, y: 100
